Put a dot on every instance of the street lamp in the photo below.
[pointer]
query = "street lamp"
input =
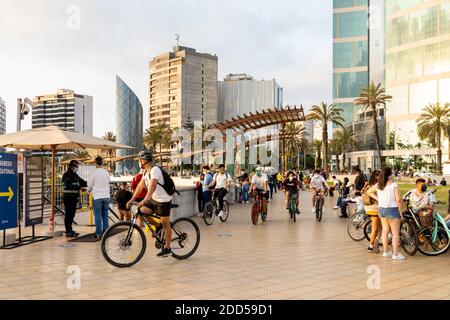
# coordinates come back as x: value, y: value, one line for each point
x: 23, y: 108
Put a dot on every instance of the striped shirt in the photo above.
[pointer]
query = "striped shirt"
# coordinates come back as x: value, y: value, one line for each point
x: 386, y: 197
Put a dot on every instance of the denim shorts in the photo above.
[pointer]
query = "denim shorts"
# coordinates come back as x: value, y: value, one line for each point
x: 389, y: 213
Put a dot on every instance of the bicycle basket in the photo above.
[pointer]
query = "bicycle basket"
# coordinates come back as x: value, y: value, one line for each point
x: 426, y: 218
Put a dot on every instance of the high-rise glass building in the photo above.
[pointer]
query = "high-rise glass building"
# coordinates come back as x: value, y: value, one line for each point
x: 183, y: 84
x: 417, y: 62
x: 129, y: 125
x: 350, y: 53
x: 358, y: 58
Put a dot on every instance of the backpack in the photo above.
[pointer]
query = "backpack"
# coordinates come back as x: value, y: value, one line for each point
x: 169, y: 185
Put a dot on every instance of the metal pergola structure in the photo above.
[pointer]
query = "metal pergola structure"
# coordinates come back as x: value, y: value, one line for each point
x: 266, y: 118
x: 263, y: 119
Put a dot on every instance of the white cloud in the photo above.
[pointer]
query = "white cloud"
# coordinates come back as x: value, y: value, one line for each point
x: 286, y: 40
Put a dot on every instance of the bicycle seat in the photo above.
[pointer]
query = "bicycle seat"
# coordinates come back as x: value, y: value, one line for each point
x: 174, y: 205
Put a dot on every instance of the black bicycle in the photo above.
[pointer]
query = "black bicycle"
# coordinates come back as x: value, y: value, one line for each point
x: 124, y: 243
x: 292, y: 205
x: 319, y: 205
x: 211, y: 210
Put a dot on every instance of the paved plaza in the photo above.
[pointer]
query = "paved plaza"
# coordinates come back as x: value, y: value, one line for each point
x: 235, y: 260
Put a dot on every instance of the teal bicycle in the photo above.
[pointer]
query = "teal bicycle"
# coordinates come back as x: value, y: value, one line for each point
x: 434, y: 237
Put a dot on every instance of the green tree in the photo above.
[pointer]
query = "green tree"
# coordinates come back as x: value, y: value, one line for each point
x: 316, y: 147
x: 110, y: 136
x: 335, y: 146
x: 372, y: 98
x: 433, y: 124
x: 326, y: 114
x: 295, y: 141
x: 347, y: 141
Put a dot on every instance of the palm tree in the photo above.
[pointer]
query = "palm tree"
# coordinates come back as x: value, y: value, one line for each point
x: 336, y: 149
x: 295, y: 140
x: 326, y: 114
x: 158, y: 135
x: 347, y: 139
x: 372, y: 98
x: 433, y: 124
x: 316, y: 147
x: 110, y: 136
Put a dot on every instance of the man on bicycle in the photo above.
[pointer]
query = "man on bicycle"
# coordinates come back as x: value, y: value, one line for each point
x: 318, y: 186
x: 222, y: 183
x: 291, y: 186
x: 157, y: 200
x: 260, y: 183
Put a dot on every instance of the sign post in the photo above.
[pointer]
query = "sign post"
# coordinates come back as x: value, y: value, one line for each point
x: 32, y: 194
x: 8, y: 191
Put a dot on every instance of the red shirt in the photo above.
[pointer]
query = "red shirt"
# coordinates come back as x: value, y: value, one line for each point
x: 136, y: 180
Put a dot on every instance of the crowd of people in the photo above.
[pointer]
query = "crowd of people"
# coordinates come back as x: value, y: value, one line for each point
x: 376, y: 194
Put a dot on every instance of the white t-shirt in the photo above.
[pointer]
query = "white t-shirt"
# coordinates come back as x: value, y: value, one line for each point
x: 98, y: 183
x: 317, y: 181
x: 222, y: 180
x: 386, y: 197
x: 159, y: 195
x: 260, y: 181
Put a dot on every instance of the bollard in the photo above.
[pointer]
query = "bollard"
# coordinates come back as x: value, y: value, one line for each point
x: 91, y: 212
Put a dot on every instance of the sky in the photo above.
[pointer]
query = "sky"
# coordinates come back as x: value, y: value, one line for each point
x: 82, y: 44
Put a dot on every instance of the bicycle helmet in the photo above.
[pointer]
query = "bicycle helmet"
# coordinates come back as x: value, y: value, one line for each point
x: 145, y: 155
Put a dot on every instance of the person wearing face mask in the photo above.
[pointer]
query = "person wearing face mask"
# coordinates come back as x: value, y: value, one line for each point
x: 72, y: 185
x: 260, y: 184
x: 420, y: 200
x: 291, y: 186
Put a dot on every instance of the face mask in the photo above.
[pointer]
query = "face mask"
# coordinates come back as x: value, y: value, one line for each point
x: 143, y: 164
x: 424, y: 188
x: 258, y: 174
x: 75, y: 170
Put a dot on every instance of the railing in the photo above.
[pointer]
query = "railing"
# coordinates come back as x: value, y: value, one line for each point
x: 83, y: 203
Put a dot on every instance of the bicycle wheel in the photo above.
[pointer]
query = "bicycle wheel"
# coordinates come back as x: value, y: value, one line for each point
x: 408, y: 238
x: 226, y: 211
x: 294, y: 211
x: 185, y: 238
x: 209, y: 213
x: 320, y: 211
x: 367, y: 229
x: 255, y: 212
x: 430, y: 247
x: 355, y: 227
x: 123, y: 244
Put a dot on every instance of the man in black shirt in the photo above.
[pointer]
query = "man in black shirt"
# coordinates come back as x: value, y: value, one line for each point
x: 72, y: 185
x: 122, y: 198
x: 360, y: 179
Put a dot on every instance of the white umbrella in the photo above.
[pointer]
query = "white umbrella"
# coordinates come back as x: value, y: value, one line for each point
x: 54, y: 138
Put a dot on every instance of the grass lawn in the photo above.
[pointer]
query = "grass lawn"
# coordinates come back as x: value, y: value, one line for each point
x: 441, y: 195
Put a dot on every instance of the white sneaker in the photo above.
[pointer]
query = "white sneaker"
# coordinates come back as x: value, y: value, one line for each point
x: 221, y: 213
x: 387, y: 254
x: 337, y: 207
x: 399, y: 256
x: 313, y: 210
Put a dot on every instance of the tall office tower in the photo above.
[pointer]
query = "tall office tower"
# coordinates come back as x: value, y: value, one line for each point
x: 129, y: 126
x: 65, y: 109
x: 2, y: 116
x: 183, y: 84
x: 240, y: 93
x: 358, y: 51
x: 417, y: 62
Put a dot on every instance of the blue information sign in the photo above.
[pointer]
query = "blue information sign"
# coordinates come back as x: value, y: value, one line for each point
x: 8, y: 191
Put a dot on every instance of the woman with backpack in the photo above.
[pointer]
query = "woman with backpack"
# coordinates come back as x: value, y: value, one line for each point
x: 371, y: 209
